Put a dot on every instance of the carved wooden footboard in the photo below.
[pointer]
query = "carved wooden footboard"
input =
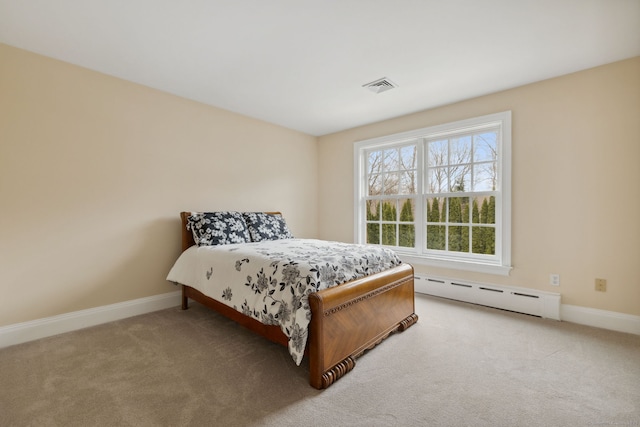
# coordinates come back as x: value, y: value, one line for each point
x: 354, y: 317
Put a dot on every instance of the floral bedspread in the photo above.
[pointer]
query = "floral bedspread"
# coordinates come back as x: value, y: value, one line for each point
x: 271, y: 280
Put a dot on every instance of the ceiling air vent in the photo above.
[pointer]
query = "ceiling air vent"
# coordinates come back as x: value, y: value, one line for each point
x: 380, y: 85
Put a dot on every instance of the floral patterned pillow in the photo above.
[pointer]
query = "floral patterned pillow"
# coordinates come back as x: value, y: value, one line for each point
x: 218, y: 228
x: 263, y: 226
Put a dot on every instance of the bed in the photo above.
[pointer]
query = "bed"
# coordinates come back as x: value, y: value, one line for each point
x: 344, y: 320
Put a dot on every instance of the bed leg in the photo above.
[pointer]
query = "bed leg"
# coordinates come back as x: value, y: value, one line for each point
x: 337, y: 372
x: 185, y: 299
x: 408, y: 322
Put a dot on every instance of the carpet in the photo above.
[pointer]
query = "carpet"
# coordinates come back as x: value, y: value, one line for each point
x: 460, y: 365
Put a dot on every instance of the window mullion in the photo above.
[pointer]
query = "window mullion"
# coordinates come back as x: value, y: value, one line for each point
x: 420, y: 220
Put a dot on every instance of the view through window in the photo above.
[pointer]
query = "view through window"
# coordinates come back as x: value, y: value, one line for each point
x: 439, y: 193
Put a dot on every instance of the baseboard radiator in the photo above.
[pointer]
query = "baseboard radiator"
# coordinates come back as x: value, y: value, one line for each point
x: 521, y: 300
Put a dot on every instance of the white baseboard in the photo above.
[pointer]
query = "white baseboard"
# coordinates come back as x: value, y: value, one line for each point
x: 28, y: 331
x: 542, y: 304
x: 49, y: 326
x: 521, y: 300
x: 601, y: 318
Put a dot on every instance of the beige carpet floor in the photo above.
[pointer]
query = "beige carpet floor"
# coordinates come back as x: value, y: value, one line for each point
x: 460, y: 365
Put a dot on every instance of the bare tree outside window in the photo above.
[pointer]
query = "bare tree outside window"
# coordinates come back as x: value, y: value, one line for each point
x: 391, y: 177
x: 464, y: 164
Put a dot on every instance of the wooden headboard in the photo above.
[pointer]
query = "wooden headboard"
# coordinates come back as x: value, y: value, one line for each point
x: 187, y: 236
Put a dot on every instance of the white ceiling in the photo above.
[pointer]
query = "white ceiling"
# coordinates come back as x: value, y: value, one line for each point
x: 302, y: 63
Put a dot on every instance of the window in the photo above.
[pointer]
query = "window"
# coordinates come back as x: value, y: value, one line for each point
x: 439, y: 195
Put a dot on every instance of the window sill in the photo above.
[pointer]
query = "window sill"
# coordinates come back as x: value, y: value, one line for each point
x: 499, y: 270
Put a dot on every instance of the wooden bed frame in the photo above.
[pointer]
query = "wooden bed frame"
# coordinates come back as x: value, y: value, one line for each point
x: 346, y: 320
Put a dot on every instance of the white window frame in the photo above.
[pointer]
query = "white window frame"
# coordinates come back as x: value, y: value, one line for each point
x: 499, y: 264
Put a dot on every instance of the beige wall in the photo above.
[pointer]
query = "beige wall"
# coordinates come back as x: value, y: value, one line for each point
x: 576, y: 182
x: 94, y: 171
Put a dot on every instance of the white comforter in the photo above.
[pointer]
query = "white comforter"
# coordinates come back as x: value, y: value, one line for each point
x: 271, y: 280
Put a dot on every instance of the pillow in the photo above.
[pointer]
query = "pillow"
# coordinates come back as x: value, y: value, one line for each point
x: 263, y: 226
x: 218, y: 228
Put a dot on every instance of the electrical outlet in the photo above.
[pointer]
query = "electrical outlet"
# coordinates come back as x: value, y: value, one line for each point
x: 601, y: 285
x: 554, y: 280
